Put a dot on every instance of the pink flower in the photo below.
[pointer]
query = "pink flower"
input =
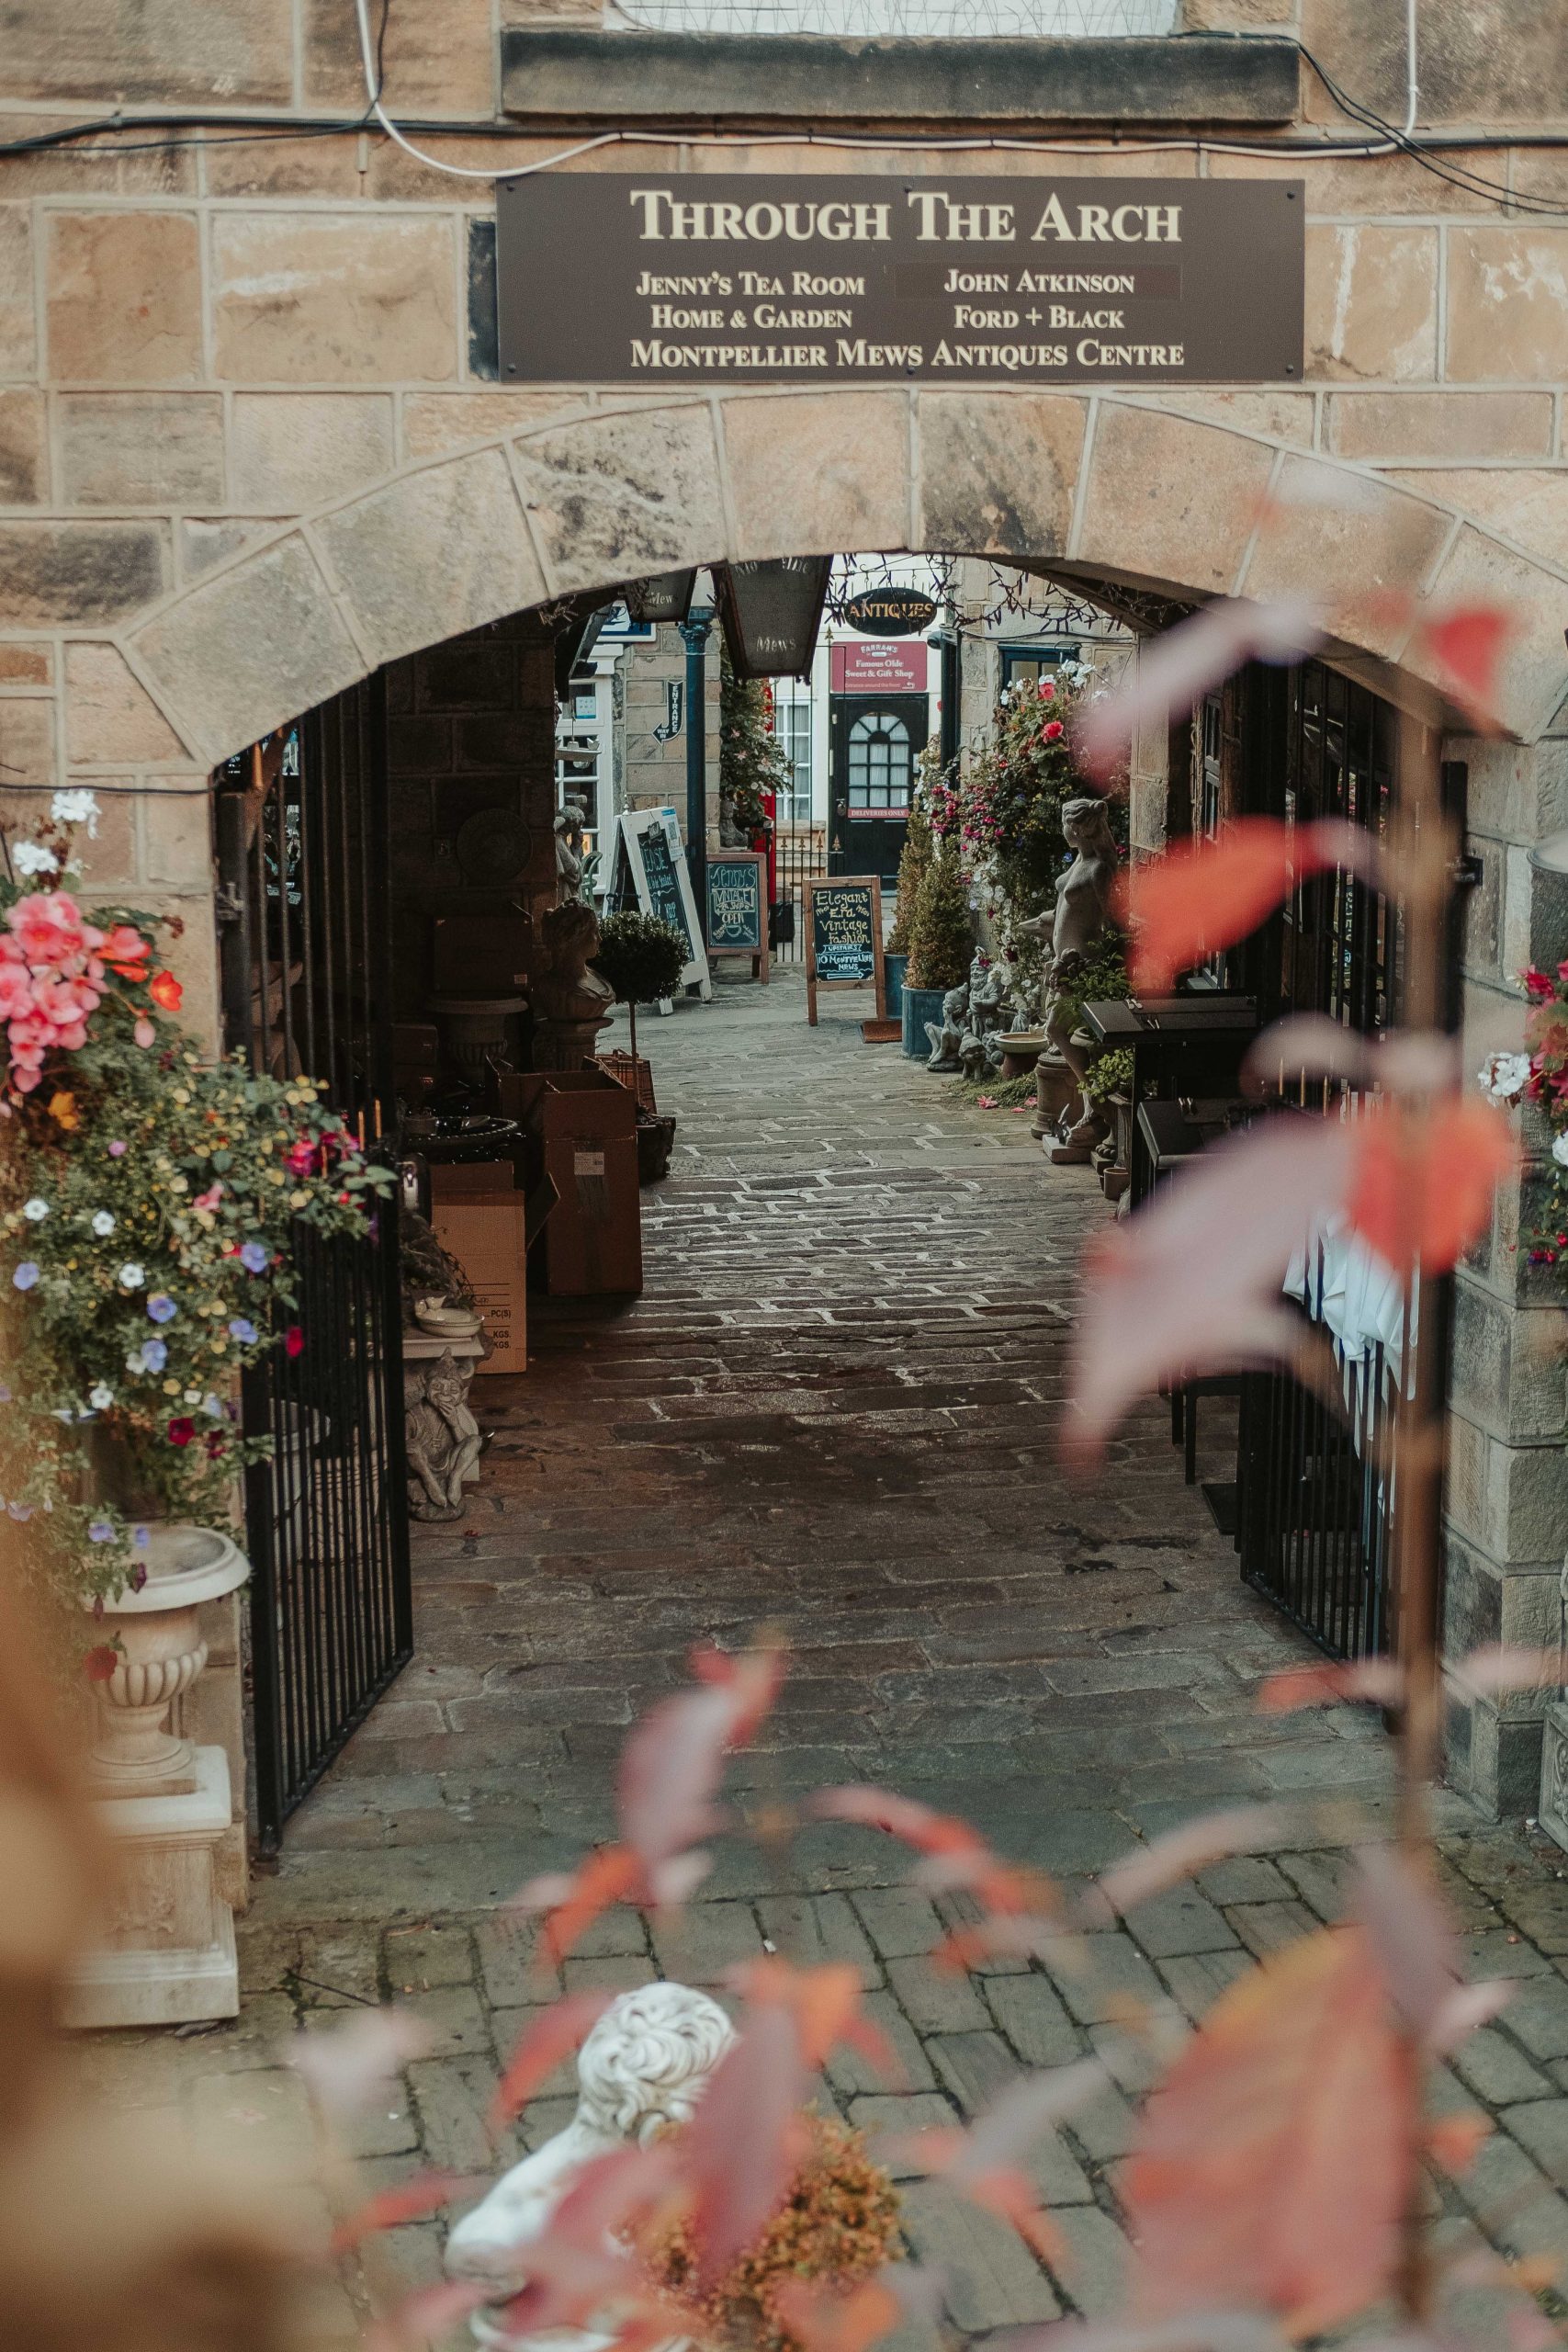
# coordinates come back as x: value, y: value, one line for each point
x: 1047, y: 691
x: 144, y: 1033
x: 15, y: 992
x: 1538, y: 988
x: 1054, y: 732
x: 300, y: 1157
x: 210, y: 1199
x: 48, y: 926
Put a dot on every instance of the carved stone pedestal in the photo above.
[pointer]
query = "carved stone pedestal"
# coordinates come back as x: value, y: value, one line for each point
x: 1056, y: 1092
x: 1554, y: 1773
x: 168, y: 1954
x: 165, y: 1806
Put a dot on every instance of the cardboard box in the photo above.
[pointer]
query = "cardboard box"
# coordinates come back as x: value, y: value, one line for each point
x: 456, y: 1179
x: 582, y: 1129
x: 486, y: 1234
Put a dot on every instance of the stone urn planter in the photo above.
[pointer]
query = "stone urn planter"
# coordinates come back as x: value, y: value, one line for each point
x: 893, y: 970
x: 920, y: 1005
x: 474, y: 1032
x: 167, y: 1951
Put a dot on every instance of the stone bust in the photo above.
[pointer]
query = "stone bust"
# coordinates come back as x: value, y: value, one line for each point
x: 645, y: 2064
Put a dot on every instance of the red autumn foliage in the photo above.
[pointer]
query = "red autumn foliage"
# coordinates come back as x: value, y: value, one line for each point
x: 1378, y: 1681
x: 98, y: 1664
x: 411, y: 2201
x: 1202, y: 896
x: 1424, y: 1180
x: 1468, y: 643
x: 562, y: 2028
x: 1273, y: 2167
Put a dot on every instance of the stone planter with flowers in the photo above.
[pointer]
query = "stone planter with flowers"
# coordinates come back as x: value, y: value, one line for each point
x: 147, y: 1199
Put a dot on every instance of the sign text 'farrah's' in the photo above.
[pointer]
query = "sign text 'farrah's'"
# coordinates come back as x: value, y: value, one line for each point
x: 711, y: 278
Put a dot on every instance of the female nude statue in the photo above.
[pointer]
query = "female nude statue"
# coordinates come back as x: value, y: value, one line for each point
x: 1080, y: 918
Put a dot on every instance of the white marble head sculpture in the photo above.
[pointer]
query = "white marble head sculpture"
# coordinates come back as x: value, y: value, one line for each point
x: 645, y: 2064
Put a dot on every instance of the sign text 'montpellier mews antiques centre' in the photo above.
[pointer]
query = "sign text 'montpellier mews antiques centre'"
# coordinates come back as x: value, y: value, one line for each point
x: 734, y: 278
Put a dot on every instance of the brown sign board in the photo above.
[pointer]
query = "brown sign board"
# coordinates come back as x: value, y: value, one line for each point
x: 687, y: 278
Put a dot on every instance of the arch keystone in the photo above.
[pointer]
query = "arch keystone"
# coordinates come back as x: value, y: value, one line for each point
x: 812, y: 476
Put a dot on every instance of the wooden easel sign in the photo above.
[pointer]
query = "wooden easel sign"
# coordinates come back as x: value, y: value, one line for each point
x: 738, y: 907
x: 649, y: 854
x: 844, y: 938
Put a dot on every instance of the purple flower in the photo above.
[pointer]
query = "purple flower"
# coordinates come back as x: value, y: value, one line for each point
x: 141, y: 1536
x: 254, y: 1257
x: 243, y: 1329
x: 27, y: 1274
x: 101, y: 1531
x: 138, y: 1576
x: 162, y: 1308
x: 22, y: 1511
x: 117, y: 1150
x: 154, y: 1354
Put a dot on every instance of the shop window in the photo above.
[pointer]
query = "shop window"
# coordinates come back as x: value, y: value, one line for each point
x: 1025, y: 665
x: 791, y: 725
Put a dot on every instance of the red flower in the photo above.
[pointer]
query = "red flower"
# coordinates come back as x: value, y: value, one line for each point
x: 1053, y: 731
x: 1538, y: 988
x: 214, y: 1447
x: 293, y: 1340
x: 165, y: 989
x: 181, y: 1432
x: 99, y: 1664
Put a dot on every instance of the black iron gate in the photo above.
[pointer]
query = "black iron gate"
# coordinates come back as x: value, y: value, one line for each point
x: 303, y: 863
x: 1315, y: 1493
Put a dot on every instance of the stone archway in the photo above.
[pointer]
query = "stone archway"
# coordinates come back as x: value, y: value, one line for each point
x: 584, y: 500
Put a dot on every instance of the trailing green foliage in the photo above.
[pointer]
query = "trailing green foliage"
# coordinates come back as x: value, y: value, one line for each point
x: 752, y: 760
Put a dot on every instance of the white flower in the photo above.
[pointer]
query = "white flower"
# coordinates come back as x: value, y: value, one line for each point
x: 101, y: 1397
x: 76, y: 808
x: 102, y: 1223
x: 1560, y: 1148
x: 32, y: 857
x: 1505, y: 1076
x: 131, y: 1276
x: 35, y: 1209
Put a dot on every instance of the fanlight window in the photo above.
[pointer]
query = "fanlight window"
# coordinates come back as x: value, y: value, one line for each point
x: 879, y: 765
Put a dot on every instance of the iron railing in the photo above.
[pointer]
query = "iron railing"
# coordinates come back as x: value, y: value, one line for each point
x: 303, y: 855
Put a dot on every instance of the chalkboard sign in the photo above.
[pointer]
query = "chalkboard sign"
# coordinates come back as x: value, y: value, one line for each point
x: 648, y: 861
x: 738, y: 905
x: 844, y: 938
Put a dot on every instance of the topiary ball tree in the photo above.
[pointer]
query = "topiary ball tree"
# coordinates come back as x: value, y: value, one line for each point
x: 643, y: 959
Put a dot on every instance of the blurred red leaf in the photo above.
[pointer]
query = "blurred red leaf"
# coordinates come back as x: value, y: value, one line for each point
x: 1408, y: 1927
x: 1194, y: 1847
x: 1273, y: 2166
x: 1455, y: 2141
x: 1202, y: 895
x: 1468, y: 643
x: 1191, y: 1284
x: 754, y: 1679
x: 1502, y: 1666
x: 1175, y: 669
x: 351, y: 2068
x: 572, y: 1904
x: 410, y: 2202
x: 563, y: 2029
x: 427, y: 2315
x: 98, y: 1664
x: 824, y: 2003
x: 916, y: 1824
x: 1424, y: 1180
x: 743, y: 2140
x: 825, y: 2321
x: 1376, y: 1679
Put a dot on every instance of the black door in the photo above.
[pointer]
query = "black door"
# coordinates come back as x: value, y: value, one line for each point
x: 874, y: 741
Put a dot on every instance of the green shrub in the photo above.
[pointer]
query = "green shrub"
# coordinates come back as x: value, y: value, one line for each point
x: 941, y: 936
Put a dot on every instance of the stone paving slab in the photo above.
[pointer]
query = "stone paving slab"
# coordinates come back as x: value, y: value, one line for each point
x: 832, y: 1412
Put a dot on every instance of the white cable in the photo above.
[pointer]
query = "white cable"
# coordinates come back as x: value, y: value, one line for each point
x: 843, y: 140
x: 1412, y: 87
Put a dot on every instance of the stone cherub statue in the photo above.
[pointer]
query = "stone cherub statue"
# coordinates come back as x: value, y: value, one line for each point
x: 645, y: 2066
x: 571, y: 819
x: 947, y: 1035
x: 572, y: 1003
x: 1066, y: 1119
x: 443, y: 1441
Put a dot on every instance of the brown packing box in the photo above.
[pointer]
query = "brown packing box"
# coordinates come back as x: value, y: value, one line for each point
x: 450, y: 1180
x: 581, y: 1127
x: 485, y: 1233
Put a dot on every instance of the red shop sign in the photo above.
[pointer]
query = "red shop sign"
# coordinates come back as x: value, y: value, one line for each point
x: 869, y: 666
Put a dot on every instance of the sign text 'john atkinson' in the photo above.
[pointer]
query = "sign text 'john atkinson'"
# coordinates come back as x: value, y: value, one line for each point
x: 736, y: 278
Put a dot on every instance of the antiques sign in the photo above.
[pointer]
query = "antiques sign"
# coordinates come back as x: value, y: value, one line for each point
x: 751, y: 279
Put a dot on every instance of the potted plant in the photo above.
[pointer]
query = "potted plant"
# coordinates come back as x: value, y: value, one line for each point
x: 752, y: 763
x: 147, y: 1201
x: 941, y: 943
x: 913, y: 861
x: 642, y: 959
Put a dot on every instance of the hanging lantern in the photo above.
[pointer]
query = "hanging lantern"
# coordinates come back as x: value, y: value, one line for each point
x: 659, y: 597
x: 772, y: 612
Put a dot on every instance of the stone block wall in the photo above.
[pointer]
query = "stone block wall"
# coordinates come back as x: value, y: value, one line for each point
x: 655, y: 773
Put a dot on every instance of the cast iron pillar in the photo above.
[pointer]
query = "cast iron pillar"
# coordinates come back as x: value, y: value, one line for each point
x: 694, y: 631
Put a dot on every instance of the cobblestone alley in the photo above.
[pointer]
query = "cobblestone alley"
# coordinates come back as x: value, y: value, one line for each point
x: 832, y: 1412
